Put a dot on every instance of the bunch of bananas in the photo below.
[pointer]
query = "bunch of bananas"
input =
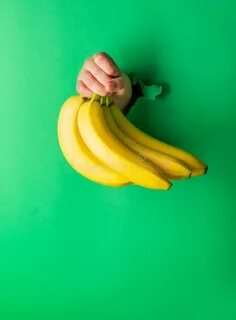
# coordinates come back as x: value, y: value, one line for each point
x: 101, y: 144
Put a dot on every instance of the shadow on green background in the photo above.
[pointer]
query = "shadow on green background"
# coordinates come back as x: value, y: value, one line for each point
x: 71, y: 249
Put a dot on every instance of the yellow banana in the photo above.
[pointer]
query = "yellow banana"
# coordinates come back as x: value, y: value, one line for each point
x: 196, y: 165
x: 112, y: 152
x: 75, y: 150
x: 173, y: 168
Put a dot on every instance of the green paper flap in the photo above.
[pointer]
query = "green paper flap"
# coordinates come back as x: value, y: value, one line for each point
x: 149, y: 92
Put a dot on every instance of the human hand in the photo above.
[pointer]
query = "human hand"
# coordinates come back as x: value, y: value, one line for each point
x: 100, y: 74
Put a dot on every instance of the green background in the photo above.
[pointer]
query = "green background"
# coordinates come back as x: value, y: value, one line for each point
x: 71, y: 249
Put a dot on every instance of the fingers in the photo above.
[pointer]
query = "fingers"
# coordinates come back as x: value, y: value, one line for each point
x: 96, y: 71
x: 100, y: 74
x: 92, y: 83
x: 107, y: 64
x: 115, y: 85
x: 83, y: 89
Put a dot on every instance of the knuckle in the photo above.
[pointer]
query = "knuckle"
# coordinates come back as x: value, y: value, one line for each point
x: 96, y: 72
x: 90, y: 81
x: 87, y: 63
x: 79, y: 87
x: 81, y: 92
x: 99, y: 55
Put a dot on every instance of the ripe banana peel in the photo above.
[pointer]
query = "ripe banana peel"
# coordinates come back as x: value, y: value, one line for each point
x: 75, y: 150
x: 171, y: 167
x: 196, y: 165
x: 111, y: 151
x: 102, y: 145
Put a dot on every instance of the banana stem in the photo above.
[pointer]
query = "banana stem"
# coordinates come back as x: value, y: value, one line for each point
x: 107, y: 100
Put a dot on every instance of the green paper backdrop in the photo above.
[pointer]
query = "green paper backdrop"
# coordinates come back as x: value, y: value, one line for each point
x: 71, y: 249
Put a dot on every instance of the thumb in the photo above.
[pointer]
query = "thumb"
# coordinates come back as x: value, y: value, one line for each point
x: 114, y: 85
